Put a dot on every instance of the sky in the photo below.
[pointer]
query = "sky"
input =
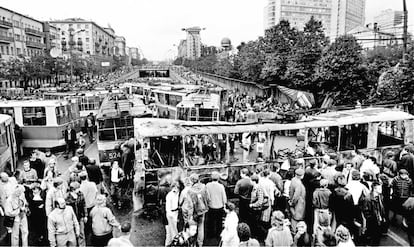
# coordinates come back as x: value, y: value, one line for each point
x: 155, y: 25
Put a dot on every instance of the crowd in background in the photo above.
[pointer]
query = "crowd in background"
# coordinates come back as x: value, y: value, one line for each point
x: 331, y: 200
x: 65, y: 207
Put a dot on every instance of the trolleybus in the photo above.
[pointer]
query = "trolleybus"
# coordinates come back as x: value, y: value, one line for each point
x: 115, y: 123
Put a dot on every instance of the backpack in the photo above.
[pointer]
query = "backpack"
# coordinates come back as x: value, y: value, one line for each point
x: 200, y: 202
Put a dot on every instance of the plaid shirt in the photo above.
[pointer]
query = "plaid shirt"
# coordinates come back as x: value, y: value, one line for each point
x: 402, y: 188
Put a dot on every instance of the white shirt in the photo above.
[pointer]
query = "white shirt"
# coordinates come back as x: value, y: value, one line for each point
x: 171, y: 203
x: 115, y: 175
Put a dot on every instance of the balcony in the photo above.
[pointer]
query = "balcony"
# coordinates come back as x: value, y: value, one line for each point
x: 6, y: 24
x: 33, y: 32
x: 6, y: 39
x: 35, y: 44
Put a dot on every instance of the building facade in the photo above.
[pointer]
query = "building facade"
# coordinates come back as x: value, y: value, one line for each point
x: 388, y: 19
x: 52, y: 37
x: 20, y: 35
x: 337, y: 16
x: 86, y: 38
x: 193, y: 43
x: 346, y: 15
x: 182, y: 48
x: 120, y: 46
x: 370, y: 38
x: 298, y: 13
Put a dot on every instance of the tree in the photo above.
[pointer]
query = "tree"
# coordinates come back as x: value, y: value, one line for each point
x: 340, y: 70
x: 278, y: 43
x: 306, y: 53
x: 224, y: 67
x: 251, y: 58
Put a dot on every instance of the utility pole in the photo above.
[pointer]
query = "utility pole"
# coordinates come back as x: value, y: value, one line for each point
x: 405, y: 32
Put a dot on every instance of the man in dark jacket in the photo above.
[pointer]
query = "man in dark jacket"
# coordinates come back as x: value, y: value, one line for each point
x: 70, y: 139
x: 342, y: 205
x: 407, y: 160
x: 90, y: 126
x: 374, y: 212
x: 244, y: 189
x: 94, y: 172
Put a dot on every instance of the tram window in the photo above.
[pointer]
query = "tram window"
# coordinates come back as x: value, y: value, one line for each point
x: 3, y: 141
x: 7, y: 110
x: 174, y: 100
x: 62, y: 114
x: 34, y: 116
x: 353, y: 136
x: 205, y: 114
x: 390, y: 133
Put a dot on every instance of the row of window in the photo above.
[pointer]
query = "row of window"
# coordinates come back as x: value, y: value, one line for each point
x: 8, y: 50
x: 36, y: 116
x: 21, y: 24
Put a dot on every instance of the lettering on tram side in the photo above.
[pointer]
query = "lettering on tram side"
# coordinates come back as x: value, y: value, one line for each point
x: 109, y: 155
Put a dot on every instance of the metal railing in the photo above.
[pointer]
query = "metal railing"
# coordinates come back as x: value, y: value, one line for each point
x: 6, y: 23
x: 33, y: 32
x: 35, y: 44
x: 6, y: 38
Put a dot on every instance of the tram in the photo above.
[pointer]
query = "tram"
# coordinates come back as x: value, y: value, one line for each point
x: 43, y: 122
x: 115, y: 123
x: 88, y: 102
x: 171, y: 145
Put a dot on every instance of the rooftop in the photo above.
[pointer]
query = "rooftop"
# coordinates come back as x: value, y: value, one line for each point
x: 154, y: 127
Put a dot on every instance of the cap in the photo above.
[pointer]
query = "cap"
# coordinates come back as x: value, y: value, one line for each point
x: 299, y: 172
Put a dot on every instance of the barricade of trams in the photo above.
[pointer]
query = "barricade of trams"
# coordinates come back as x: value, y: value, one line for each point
x: 162, y: 145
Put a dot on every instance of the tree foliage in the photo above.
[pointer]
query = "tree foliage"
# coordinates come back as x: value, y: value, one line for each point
x: 307, y: 52
x: 340, y: 70
x: 278, y: 44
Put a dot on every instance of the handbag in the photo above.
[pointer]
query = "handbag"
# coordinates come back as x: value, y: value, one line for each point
x: 8, y: 221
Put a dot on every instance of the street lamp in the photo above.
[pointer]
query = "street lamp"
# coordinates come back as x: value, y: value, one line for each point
x: 72, y: 44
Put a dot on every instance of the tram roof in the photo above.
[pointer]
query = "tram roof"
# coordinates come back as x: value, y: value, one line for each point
x: 107, y: 109
x: 32, y: 103
x: 153, y: 127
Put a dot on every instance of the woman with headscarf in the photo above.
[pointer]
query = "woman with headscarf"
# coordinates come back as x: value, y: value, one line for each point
x: 343, y: 237
x: 279, y: 234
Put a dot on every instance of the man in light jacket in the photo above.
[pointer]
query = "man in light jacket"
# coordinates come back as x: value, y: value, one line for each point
x: 63, y: 225
x: 103, y: 221
x: 297, y: 197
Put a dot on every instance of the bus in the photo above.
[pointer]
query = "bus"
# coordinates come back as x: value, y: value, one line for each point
x: 176, y: 146
x: 43, y: 122
x: 115, y: 123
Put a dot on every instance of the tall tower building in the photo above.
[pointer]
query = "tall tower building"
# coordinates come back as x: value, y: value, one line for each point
x: 298, y: 13
x: 193, y: 42
x: 337, y: 16
x: 346, y: 15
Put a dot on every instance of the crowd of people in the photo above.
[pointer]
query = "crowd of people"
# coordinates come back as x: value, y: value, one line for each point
x: 332, y: 200
x: 62, y: 208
